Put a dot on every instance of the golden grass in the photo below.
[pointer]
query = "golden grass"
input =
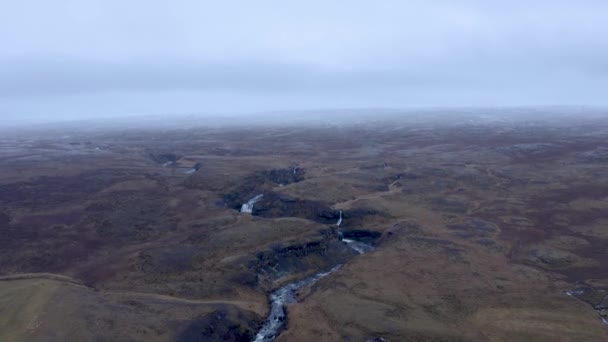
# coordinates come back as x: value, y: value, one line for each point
x: 22, y: 304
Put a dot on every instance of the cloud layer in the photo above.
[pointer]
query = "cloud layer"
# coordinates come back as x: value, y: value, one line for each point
x: 91, y: 58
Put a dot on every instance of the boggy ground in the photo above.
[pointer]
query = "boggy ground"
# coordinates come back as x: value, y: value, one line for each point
x: 485, y: 224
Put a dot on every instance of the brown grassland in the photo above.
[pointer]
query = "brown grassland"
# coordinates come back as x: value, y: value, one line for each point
x: 485, y: 224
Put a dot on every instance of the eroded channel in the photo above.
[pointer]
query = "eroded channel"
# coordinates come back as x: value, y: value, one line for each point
x: 596, y: 298
x: 275, y: 322
x: 287, y: 294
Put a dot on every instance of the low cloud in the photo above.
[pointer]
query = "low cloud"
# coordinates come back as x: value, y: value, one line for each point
x: 72, y: 57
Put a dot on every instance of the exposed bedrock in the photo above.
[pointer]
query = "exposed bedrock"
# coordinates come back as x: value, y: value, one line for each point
x: 274, y: 205
x: 261, y: 182
x: 279, y: 205
x: 360, y: 235
x: 332, y: 250
x: 301, y: 258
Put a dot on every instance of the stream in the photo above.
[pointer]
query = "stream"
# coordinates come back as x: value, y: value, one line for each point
x: 600, y: 306
x: 287, y: 294
x: 357, y: 246
x: 248, y: 207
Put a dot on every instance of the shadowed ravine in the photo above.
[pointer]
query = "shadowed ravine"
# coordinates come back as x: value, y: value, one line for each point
x: 277, y: 318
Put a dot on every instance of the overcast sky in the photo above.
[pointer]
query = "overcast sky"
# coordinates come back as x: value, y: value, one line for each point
x: 85, y: 58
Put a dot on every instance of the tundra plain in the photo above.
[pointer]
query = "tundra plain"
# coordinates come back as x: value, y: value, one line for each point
x: 484, y: 228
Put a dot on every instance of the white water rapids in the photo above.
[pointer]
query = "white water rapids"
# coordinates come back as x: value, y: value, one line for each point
x: 248, y: 207
x: 359, y: 247
x: 286, y: 294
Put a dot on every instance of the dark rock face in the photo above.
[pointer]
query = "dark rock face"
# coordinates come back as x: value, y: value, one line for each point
x: 261, y: 182
x: 361, y: 235
x: 278, y: 205
x: 323, y: 253
x: 224, y: 324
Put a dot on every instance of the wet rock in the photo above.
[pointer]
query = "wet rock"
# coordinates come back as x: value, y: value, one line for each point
x: 360, y: 235
x: 235, y: 199
x: 361, y: 241
x: 277, y: 317
x: 261, y: 182
x: 280, y: 205
x: 299, y: 258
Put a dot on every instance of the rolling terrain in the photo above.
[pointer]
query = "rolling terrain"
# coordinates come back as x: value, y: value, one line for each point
x: 466, y: 228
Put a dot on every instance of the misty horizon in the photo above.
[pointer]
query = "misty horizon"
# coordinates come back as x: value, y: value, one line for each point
x: 107, y: 59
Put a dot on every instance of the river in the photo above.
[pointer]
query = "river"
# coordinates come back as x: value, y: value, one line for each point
x: 276, y: 320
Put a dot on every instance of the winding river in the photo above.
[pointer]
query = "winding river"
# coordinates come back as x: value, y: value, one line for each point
x: 287, y: 294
